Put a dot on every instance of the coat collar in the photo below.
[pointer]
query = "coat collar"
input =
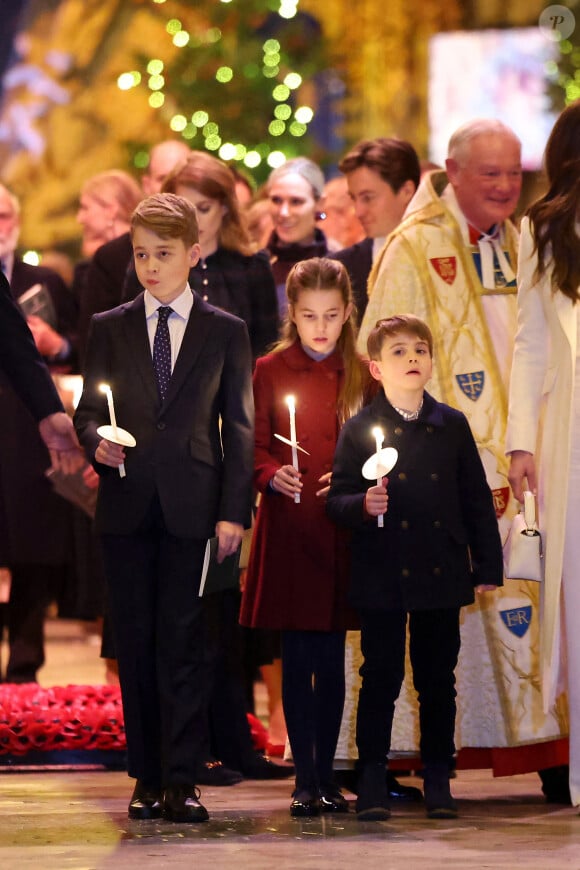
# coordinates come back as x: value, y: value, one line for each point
x: 431, y: 412
x: 296, y: 359
x: 293, y: 253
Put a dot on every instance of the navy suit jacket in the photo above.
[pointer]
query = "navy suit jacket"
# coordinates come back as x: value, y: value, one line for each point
x: 358, y: 260
x: 200, y: 470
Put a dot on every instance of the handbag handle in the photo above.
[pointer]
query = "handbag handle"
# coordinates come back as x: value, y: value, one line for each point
x: 530, y: 512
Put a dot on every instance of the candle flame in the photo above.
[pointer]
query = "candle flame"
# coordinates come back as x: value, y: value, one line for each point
x: 378, y: 432
x: 104, y: 388
x: 291, y: 402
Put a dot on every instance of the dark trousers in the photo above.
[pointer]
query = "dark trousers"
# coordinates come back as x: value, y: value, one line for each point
x: 434, y: 648
x: 23, y: 618
x: 159, y: 630
x: 313, y: 701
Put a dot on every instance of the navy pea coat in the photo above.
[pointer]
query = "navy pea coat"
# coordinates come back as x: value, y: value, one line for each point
x: 440, y: 537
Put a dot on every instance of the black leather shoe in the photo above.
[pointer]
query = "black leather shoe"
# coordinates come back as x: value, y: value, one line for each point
x: 181, y: 804
x: 304, y: 804
x: 145, y: 802
x: 400, y: 792
x: 332, y: 800
x: 260, y: 767
x: 217, y: 774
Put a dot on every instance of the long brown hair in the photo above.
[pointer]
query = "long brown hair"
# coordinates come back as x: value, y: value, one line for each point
x: 320, y: 273
x: 212, y: 178
x: 554, y: 216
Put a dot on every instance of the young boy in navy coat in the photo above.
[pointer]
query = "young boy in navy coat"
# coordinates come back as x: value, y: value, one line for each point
x: 440, y: 541
x: 180, y: 375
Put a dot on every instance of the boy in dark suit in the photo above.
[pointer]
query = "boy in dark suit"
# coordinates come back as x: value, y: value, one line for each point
x: 440, y: 540
x: 180, y: 374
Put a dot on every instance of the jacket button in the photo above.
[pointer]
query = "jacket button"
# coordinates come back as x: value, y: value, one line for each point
x: 398, y: 430
x: 404, y: 524
x: 161, y: 425
x: 434, y: 476
x: 402, y: 475
x: 405, y: 572
x: 429, y: 429
x: 437, y: 571
x: 437, y: 524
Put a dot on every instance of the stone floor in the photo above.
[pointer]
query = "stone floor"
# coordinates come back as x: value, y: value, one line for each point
x: 77, y: 819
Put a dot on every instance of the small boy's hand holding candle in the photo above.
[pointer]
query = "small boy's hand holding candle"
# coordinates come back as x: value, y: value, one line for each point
x: 376, y: 499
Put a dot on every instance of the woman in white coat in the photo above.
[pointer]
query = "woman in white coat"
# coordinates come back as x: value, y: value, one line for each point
x: 543, y: 435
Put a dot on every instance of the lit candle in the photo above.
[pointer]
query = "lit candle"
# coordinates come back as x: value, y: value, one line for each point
x: 292, y: 410
x: 379, y: 438
x: 105, y: 388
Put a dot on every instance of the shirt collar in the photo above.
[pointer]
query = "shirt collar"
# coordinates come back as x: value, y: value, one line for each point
x: 181, y: 306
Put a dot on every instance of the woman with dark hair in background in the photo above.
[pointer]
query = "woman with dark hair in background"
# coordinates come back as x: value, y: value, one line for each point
x: 229, y: 274
x: 543, y: 434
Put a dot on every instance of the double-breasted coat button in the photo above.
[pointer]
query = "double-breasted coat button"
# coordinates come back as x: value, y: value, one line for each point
x: 437, y: 524
x: 398, y: 430
x: 404, y: 524
x: 434, y: 476
x: 437, y: 571
x: 161, y: 425
x: 429, y: 429
x: 402, y: 475
x: 405, y: 572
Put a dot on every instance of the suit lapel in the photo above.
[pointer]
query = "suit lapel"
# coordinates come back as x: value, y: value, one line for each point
x: 135, y: 329
x: 195, y: 335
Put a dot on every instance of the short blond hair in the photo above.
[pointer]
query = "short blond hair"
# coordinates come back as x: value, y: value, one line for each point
x: 168, y: 216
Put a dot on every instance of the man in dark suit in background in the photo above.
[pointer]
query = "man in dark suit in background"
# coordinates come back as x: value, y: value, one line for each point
x: 187, y: 479
x: 29, y: 377
x: 382, y: 176
x: 35, y: 523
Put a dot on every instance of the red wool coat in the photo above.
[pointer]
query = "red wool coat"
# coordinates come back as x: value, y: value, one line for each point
x: 298, y: 571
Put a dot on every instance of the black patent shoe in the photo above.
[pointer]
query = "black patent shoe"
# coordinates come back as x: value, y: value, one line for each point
x: 400, y: 792
x: 181, y: 804
x: 332, y: 800
x: 145, y: 802
x: 304, y: 804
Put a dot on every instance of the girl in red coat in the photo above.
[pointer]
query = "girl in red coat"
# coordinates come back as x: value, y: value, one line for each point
x: 298, y: 568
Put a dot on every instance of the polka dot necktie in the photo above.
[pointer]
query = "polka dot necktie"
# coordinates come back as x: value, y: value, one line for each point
x: 162, y: 351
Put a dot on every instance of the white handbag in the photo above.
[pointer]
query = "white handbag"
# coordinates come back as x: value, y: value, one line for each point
x: 523, y: 553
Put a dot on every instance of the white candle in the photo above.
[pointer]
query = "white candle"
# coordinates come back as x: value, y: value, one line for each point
x: 105, y: 388
x: 292, y: 411
x: 379, y: 438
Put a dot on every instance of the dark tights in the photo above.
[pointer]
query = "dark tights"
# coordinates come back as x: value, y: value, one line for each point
x: 313, y: 699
